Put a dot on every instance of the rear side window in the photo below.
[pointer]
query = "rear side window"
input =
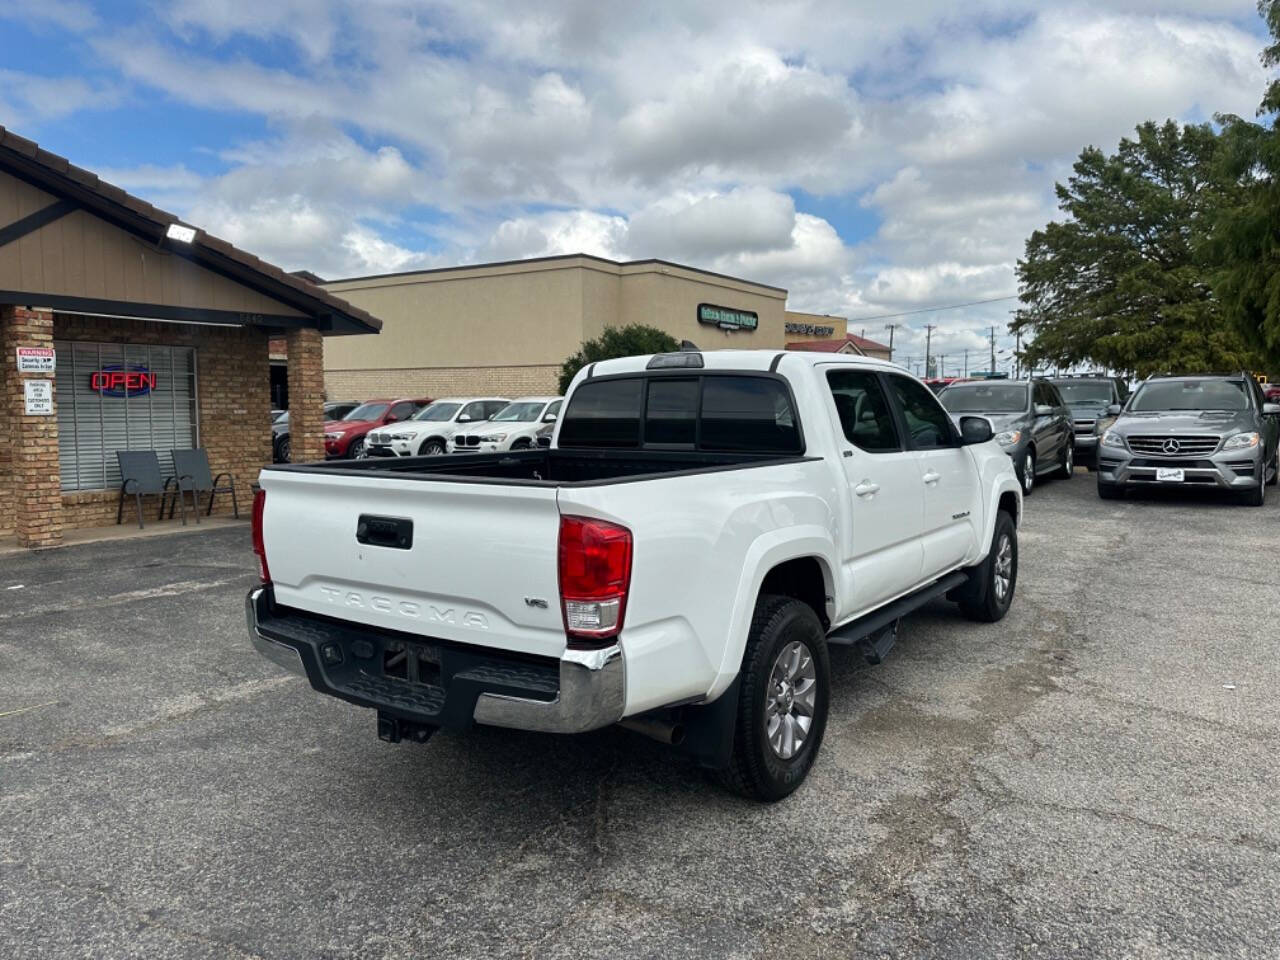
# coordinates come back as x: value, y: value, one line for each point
x: 748, y: 414
x: 605, y: 413
x: 724, y: 413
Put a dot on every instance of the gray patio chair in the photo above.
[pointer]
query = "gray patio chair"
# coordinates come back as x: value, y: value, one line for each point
x: 139, y: 476
x: 191, y: 467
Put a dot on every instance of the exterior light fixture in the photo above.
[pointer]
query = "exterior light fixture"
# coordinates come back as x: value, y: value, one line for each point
x: 181, y: 232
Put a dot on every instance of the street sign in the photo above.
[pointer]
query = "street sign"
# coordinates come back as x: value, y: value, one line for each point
x: 36, y: 359
x: 38, y: 395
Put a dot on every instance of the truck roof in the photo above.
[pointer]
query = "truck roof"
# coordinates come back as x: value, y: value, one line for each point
x: 742, y: 360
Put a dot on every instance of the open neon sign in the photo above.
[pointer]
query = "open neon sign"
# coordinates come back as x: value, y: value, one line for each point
x: 119, y: 381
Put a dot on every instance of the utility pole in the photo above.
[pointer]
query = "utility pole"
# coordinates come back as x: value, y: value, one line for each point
x: 891, y: 327
x: 966, y: 362
x: 928, y: 345
x: 942, y: 365
x: 993, y: 349
x: 1017, y: 355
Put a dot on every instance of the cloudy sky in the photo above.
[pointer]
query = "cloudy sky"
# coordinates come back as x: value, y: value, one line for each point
x: 873, y: 158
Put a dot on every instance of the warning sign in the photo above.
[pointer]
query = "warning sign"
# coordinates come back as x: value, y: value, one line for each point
x: 36, y: 359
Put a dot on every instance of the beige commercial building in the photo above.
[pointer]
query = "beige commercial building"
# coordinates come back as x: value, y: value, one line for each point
x: 507, y: 327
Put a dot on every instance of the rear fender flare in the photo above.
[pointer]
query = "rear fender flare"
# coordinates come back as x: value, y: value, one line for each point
x: 765, y: 553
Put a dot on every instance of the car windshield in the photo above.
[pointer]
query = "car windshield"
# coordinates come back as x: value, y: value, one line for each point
x: 437, y: 412
x: 520, y: 412
x: 1084, y: 391
x: 1191, y: 395
x: 367, y: 411
x: 985, y: 398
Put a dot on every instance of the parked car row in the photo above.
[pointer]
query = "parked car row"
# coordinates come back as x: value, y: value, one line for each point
x: 425, y: 427
x: 1212, y: 430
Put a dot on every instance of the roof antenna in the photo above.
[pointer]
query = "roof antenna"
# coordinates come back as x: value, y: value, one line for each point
x: 688, y: 346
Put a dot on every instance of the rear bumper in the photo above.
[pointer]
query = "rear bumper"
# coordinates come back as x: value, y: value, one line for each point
x: 430, y: 682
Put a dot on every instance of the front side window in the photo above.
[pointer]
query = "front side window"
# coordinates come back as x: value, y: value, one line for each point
x: 927, y: 422
x: 401, y: 411
x: 864, y: 411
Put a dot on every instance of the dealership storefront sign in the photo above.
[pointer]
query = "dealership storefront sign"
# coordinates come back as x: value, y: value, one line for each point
x: 117, y: 380
x: 727, y: 318
x: 810, y: 329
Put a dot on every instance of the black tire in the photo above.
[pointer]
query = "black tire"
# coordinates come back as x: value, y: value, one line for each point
x: 1275, y: 470
x: 1026, y: 471
x: 1109, y: 491
x: 755, y: 768
x: 432, y: 447
x: 284, y: 450
x: 1067, y: 469
x: 522, y: 444
x: 987, y: 598
x: 1255, y: 496
x: 356, y: 450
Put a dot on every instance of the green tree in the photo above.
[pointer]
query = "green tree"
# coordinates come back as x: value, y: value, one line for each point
x: 1119, y: 281
x: 1244, y: 243
x: 628, y: 341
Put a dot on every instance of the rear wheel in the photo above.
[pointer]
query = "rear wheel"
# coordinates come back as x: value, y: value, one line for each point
x: 989, y: 593
x: 782, y: 701
x: 1068, y: 467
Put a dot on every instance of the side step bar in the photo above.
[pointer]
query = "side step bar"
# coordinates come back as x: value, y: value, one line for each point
x: 877, y: 631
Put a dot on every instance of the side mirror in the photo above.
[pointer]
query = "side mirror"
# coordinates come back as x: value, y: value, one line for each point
x: 1043, y: 410
x: 975, y: 430
x: 1113, y: 410
x: 392, y: 418
x: 464, y: 418
x: 1271, y: 409
x: 550, y: 418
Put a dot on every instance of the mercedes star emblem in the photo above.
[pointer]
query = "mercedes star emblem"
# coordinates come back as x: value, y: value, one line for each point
x: 1171, y: 446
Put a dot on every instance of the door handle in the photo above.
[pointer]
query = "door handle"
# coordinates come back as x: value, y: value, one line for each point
x: 932, y: 477
x: 867, y: 489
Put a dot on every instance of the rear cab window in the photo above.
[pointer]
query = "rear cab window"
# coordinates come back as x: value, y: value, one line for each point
x: 724, y: 412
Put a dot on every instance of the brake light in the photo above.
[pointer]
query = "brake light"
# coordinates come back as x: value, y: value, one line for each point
x: 259, y: 548
x: 595, y: 574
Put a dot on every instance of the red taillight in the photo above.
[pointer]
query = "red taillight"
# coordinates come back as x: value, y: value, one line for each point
x: 259, y: 503
x: 595, y: 573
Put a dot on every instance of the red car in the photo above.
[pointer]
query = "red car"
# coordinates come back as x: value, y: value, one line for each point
x: 345, y: 437
x: 1271, y: 391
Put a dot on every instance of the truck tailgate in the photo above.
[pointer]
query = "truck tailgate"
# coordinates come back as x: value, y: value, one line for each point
x: 481, y: 567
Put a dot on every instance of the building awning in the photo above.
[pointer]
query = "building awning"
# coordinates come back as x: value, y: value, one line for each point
x: 55, y: 225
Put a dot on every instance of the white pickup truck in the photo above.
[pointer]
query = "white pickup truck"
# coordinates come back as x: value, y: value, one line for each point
x: 702, y: 528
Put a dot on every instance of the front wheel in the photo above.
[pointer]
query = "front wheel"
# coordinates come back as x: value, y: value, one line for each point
x: 782, y: 701
x: 285, y: 449
x: 1109, y: 491
x: 1275, y: 470
x: 356, y: 451
x: 989, y: 593
x: 1026, y: 472
x: 432, y: 448
x: 1256, y: 496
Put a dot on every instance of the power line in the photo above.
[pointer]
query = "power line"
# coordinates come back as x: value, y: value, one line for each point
x: 950, y: 306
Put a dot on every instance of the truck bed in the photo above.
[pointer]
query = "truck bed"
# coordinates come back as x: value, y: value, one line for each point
x: 546, y: 468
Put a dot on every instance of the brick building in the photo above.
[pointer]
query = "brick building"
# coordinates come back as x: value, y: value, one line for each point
x: 121, y: 328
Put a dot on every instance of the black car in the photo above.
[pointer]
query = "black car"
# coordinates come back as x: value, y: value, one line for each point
x: 280, y: 446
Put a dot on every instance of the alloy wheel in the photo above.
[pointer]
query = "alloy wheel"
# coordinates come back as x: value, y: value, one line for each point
x: 790, y: 700
x: 1003, y: 573
x: 1028, y: 473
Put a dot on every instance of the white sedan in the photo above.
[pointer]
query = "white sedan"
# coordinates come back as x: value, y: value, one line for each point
x: 514, y: 427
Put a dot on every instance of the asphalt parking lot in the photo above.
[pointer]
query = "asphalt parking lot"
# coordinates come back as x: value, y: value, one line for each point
x: 1096, y: 776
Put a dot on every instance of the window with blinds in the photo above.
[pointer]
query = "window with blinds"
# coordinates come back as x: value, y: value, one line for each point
x: 114, y: 396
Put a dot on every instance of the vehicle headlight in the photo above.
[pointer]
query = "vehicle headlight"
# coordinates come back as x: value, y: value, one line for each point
x: 494, y: 438
x: 1112, y: 439
x: 1242, y: 441
x: 333, y: 436
x: 1008, y: 438
x: 402, y: 436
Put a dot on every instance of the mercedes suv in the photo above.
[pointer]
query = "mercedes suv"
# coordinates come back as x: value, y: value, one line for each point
x: 1214, y: 430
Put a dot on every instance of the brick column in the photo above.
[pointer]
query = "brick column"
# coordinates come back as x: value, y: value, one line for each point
x: 33, y: 440
x: 306, y: 395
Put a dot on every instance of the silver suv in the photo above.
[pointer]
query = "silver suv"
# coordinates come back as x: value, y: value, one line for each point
x: 1211, y: 431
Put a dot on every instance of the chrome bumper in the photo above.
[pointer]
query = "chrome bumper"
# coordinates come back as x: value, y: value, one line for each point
x: 592, y: 691
x: 592, y: 695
